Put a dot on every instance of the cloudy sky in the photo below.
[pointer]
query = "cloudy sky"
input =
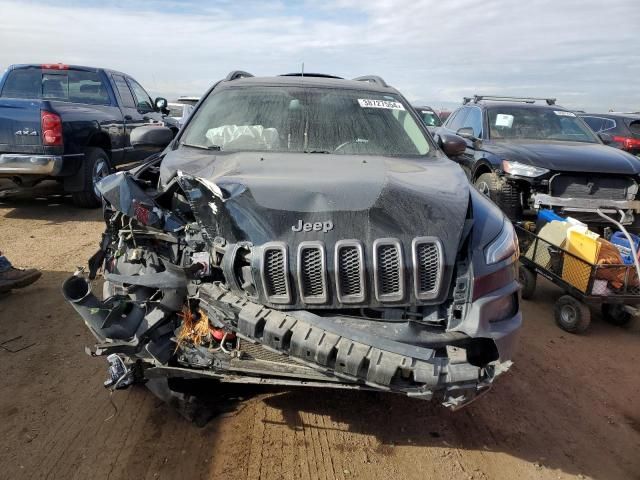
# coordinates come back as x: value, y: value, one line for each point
x: 583, y: 52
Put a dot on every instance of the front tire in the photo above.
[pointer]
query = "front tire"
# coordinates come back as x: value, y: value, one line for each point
x: 504, y: 194
x: 572, y: 315
x: 93, y: 169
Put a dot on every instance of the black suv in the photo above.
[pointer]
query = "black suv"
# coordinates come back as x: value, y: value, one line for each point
x: 528, y: 153
x: 620, y: 130
x: 304, y: 231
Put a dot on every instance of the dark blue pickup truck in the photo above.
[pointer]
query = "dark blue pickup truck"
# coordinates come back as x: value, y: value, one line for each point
x: 71, y: 123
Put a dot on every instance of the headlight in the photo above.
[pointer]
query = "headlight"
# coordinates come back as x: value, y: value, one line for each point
x: 522, y: 170
x: 504, y: 246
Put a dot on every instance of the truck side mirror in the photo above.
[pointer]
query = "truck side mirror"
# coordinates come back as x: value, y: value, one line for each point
x: 452, y: 145
x: 468, y: 133
x: 151, y: 137
x: 161, y: 104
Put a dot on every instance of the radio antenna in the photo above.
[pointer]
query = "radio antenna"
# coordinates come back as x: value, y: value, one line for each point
x: 303, y: 69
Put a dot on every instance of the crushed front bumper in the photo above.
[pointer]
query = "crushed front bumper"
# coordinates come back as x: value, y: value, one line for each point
x: 17, y: 164
x: 402, y: 357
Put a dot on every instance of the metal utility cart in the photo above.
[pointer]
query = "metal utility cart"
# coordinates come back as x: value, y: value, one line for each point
x: 615, y: 287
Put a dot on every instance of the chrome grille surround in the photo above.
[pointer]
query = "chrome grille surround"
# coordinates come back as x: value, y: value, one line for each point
x: 275, y: 272
x: 312, y: 272
x: 428, y: 260
x: 350, y: 271
x: 388, y: 270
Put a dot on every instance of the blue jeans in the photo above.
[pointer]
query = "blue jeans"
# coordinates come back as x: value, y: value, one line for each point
x: 4, y: 264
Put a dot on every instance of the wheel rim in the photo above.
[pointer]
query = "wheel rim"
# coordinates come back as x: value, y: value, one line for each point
x: 100, y: 171
x: 483, y: 188
x: 568, y: 314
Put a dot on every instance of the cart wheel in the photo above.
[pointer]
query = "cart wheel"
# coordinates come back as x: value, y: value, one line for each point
x: 527, y: 279
x: 615, y: 314
x: 572, y: 315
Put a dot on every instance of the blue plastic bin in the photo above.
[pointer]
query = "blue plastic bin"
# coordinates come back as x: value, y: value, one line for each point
x: 621, y: 242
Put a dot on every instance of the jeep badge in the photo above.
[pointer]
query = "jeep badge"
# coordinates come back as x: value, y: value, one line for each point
x: 315, y: 226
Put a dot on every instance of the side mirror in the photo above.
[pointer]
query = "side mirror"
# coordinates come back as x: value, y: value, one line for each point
x: 150, y: 136
x: 452, y: 145
x: 606, y: 138
x: 161, y: 104
x: 468, y: 133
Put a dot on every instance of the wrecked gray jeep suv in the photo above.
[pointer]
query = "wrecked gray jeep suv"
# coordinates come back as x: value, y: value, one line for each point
x: 302, y: 230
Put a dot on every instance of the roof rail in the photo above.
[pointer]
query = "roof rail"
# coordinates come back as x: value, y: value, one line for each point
x: 477, y: 98
x: 305, y: 74
x: 237, y: 74
x: 372, y: 79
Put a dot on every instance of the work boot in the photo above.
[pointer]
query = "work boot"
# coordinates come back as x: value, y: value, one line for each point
x: 17, y: 278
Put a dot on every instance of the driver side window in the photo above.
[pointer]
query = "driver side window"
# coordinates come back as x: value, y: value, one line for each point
x: 143, y: 101
x: 459, y: 117
x: 474, y: 121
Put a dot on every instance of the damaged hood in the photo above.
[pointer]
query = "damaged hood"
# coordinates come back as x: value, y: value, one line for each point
x: 292, y: 197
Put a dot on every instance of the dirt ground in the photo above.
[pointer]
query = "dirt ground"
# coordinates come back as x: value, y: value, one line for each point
x: 569, y: 408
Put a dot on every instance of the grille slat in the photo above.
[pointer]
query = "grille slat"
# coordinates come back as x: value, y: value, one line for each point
x: 274, y: 269
x: 350, y: 271
x: 427, y: 264
x: 312, y: 272
x: 388, y: 270
x: 312, y: 276
x: 275, y: 273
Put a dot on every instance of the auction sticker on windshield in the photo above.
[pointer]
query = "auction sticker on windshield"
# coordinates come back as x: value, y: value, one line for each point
x: 504, y: 120
x: 370, y: 103
x: 562, y: 113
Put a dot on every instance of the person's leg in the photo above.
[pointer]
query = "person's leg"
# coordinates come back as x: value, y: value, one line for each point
x: 11, y: 277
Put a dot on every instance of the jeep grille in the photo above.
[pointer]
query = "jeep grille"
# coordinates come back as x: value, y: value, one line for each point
x: 353, y: 280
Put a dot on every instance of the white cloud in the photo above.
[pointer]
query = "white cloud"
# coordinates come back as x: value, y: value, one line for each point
x: 583, y: 52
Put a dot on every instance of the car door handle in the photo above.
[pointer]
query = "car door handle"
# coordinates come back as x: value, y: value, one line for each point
x: 128, y: 117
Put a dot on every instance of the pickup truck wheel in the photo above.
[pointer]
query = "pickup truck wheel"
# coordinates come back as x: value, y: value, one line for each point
x: 504, y: 194
x: 96, y: 167
x: 572, y: 315
x: 615, y: 314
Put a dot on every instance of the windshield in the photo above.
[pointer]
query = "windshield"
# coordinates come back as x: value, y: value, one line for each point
x: 306, y: 119
x: 513, y: 123
x: 430, y: 118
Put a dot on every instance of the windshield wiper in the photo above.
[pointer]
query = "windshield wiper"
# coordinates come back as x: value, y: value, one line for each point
x: 216, y: 148
x: 317, y: 151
